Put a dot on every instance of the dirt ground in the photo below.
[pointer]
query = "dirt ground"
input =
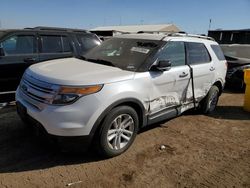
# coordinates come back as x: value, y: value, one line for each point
x: 201, y: 151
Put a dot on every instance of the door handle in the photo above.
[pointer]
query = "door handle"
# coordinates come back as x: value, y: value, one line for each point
x: 29, y: 60
x: 212, y: 69
x: 183, y: 75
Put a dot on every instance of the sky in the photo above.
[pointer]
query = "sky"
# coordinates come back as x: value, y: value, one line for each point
x: 190, y: 16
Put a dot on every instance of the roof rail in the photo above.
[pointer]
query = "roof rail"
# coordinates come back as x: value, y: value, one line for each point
x: 57, y: 29
x: 178, y: 34
x: 183, y: 34
x: 154, y: 32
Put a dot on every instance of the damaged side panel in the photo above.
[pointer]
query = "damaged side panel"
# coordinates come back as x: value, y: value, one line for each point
x: 169, y: 89
x: 163, y: 102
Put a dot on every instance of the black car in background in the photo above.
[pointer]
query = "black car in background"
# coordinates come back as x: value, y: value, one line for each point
x: 238, y: 59
x: 22, y: 48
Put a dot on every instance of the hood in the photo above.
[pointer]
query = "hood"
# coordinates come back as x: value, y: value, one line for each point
x: 72, y: 71
x: 236, y: 61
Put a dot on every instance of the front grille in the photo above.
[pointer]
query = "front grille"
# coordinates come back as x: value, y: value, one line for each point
x: 37, y: 90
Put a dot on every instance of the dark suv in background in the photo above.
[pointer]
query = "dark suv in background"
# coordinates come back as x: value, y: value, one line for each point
x: 21, y: 48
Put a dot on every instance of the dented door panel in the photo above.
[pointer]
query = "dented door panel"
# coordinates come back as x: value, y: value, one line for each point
x: 169, y: 88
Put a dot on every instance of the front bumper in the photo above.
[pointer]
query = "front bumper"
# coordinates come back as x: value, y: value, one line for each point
x: 76, y: 119
x: 66, y: 143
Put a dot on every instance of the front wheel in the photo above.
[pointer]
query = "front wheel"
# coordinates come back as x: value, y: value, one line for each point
x: 118, y: 131
x: 209, y: 103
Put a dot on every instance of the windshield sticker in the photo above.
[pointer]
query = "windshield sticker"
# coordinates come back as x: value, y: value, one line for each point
x: 140, y: 50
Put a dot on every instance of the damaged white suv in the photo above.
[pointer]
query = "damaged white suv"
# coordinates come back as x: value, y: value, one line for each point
x: 124, y: 84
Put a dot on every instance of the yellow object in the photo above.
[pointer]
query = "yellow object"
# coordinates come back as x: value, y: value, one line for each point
x: 247, y: 93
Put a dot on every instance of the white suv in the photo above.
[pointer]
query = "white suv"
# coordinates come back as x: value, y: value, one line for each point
x: 126, y: 83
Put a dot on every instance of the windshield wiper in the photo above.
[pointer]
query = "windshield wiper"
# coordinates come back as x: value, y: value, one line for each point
x: 101, y: 61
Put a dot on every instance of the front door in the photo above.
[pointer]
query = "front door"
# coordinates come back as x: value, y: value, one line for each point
x: 169, y: 88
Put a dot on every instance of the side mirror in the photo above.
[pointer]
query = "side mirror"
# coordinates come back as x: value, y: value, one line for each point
x: 2, y: 52
x: 162, y: 65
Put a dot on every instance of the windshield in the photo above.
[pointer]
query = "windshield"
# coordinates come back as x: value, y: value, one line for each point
x: 124, y: 53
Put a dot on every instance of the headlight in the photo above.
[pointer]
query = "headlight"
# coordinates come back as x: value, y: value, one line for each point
x: 68, y: 94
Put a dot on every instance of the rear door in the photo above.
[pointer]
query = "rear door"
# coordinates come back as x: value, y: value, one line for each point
x: 54, y: 46
x: 170, y: 87
x: 203, y: 67
x: 20, y: 52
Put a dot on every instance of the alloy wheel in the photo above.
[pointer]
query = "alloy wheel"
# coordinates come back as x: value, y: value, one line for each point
x: 120, y: 131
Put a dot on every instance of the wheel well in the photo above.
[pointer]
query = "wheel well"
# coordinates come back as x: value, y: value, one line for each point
x: 137, y: 108
x: 219, y: 85
x: 135, y: 105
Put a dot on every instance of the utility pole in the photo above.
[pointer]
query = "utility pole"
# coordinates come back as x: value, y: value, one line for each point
x: 0, y: 24
x: 210, y: 23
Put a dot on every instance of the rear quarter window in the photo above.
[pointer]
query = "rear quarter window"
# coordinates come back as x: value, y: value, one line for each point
x: 218, y: 52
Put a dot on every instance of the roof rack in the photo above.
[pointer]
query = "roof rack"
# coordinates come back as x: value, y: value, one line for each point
x: 154, y: 32
x: 184, y: 34
x: 42, y: 28
x: 178, y: 34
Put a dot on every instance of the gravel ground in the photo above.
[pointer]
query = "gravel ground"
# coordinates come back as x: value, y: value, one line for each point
x: 200, y: 151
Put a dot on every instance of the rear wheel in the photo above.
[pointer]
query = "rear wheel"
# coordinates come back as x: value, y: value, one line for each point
x: 209, y: 103
x: 118, y: 131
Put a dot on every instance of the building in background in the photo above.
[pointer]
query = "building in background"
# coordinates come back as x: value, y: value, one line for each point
x: 109, y: 31
x: 241, y: 36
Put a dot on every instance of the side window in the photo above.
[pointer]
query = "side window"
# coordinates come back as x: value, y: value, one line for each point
x: 66, y: 44
x: 87, y: 42
x: 174, y: 51
x: 197, y: 53
x: 18, y: 44
x: 55, y: 44
x: 218, y: 52
x: 51, y: 44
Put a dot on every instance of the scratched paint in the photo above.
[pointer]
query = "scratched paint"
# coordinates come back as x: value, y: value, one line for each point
x: 163, y: 102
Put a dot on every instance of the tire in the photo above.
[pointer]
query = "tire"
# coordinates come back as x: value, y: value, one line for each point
x: 122, y: 125
x: 209, y: 103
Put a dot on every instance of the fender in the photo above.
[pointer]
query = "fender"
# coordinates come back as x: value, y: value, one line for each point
x: 138, y: 103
